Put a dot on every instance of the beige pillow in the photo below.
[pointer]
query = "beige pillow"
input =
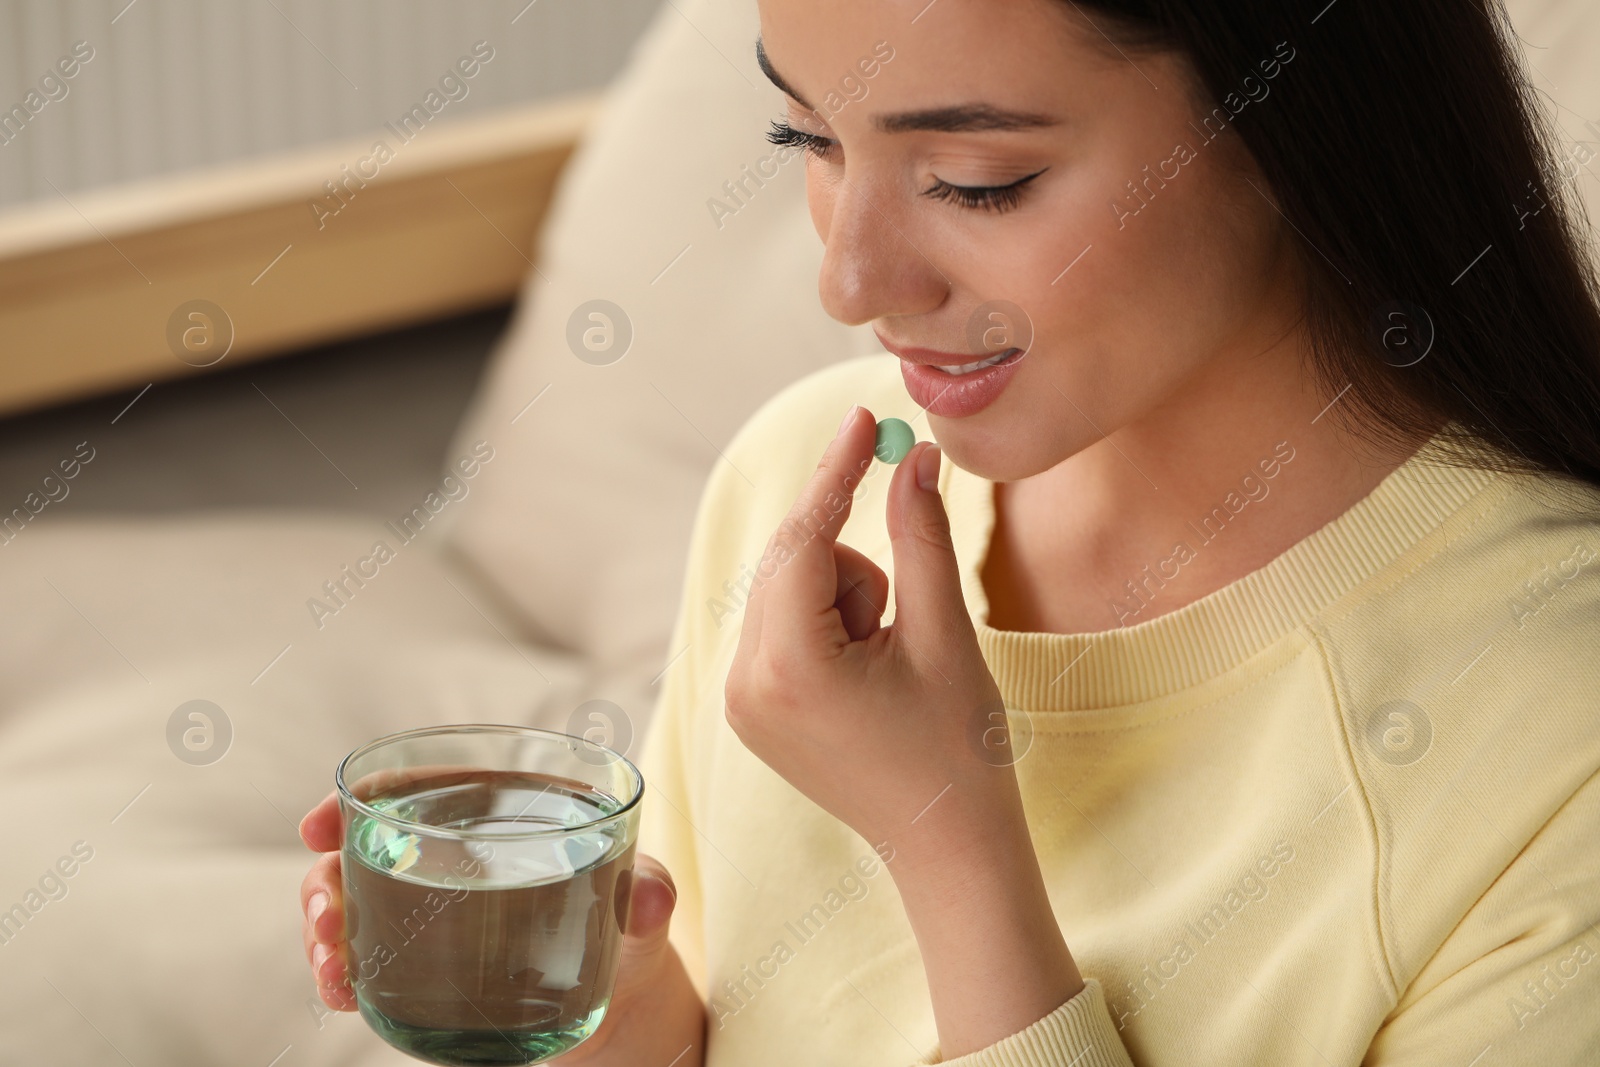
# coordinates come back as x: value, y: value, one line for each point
x: 1561, y: 44
x: 584, y: 517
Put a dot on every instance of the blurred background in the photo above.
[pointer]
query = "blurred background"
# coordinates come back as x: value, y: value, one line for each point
x: 177, y: 110
x: 270, y: 271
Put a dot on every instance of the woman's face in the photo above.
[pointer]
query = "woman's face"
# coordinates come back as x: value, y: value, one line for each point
x: 1134, y: 301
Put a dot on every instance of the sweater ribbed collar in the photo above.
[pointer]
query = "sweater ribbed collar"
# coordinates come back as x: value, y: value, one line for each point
x: 1206, y: 638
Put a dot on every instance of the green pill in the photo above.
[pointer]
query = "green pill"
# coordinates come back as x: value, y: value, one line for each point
x: 895, y: 438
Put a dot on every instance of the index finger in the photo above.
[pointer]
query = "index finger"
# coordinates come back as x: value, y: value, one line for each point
x: 804, y: 584
x: 320, y: 828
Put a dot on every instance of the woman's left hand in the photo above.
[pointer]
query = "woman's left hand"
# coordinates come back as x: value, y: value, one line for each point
x: 897, y: 731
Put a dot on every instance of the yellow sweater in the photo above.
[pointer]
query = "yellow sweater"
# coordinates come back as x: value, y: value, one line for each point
x: 1342, y: 811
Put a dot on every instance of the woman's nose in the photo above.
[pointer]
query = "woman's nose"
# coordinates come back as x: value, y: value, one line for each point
x: 871, y: 268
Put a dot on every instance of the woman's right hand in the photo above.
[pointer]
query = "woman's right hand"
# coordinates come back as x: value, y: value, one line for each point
x: 655, y: 1012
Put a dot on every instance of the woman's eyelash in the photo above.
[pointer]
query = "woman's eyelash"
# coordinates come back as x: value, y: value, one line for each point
x: 785, y: 135
x: 985, y: 197
x: 981, y: 197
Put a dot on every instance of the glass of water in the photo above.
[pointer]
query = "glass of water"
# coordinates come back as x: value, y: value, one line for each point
x: 487, y: 872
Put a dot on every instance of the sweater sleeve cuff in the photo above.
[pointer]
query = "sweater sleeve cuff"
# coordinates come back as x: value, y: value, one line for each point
x: 1080, y: 1033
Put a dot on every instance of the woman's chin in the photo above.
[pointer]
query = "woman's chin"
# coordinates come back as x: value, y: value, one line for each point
x: 994, y: 455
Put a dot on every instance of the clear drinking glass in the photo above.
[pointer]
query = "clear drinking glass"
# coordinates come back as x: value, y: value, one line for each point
x: 487, y: 872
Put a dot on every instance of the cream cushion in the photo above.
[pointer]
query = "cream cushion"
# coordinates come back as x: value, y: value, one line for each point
x: 584, y: 518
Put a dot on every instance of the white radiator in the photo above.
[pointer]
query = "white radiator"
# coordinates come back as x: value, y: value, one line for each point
x: 97, y: 92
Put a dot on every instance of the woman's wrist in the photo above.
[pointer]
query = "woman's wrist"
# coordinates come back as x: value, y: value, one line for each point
x: 994, y: 955
x: 975, y: 827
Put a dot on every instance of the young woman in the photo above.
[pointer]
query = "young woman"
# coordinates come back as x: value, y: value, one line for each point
x: 1237, y: 703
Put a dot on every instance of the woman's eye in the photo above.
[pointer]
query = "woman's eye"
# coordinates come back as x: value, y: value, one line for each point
x: 786, y: 136
x: 995, y: 198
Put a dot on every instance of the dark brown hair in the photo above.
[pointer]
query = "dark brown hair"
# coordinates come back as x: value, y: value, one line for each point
x: 1406, y: 145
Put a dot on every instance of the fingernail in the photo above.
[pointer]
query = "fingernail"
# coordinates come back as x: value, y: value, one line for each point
x: 849, y: 416
x: 319, y: 956
x: 928, y: 468
x: 318, y: 905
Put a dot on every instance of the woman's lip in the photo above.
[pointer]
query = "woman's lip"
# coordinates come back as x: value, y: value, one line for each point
x: 957, y: 396
x: 933, y: 357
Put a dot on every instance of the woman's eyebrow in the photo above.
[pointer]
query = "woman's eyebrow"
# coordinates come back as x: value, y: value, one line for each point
x: 963, y: 118
x: 960, y: 118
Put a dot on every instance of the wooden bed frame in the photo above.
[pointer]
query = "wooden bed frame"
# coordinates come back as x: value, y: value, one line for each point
x: 296, y: 250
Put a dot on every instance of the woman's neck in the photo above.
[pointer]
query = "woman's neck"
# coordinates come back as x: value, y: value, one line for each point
x: 1214, y: 483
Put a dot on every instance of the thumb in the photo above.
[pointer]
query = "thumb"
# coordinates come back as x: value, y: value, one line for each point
x: 652, y: 897
x: 929, y: 607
